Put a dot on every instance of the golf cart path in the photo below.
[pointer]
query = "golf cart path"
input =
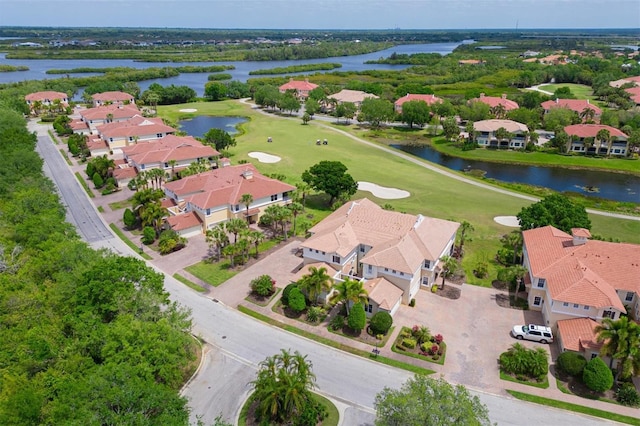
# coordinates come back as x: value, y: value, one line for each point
x: 437, y: 169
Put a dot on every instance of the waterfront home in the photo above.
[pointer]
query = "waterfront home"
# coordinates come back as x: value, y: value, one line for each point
x: 38, y: 100
x: 94, y: 117
x: 215, y: 196
x: 428, y: 99
x: 489, y: 134
x: 586, y: 110
x: 124, y: 133
x: 381, y: 248
x: 576, y: 282
x: 301, y: 88
x: 112, y: 98
x: 587, y: 139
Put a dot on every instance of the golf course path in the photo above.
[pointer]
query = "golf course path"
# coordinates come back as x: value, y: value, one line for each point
x: 430, y: 166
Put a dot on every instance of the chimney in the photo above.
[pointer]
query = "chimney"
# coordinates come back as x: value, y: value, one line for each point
x: 247, y: 174
x: 504, y: 96
x: 306, y: 80
x: 557, y: 101
x: 580, y: 236
x: 482, y: 95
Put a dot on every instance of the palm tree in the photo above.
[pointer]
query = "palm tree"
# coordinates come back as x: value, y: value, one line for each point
x: 499, y: 111
x: 243, y: 245
x: 230, y: 250
x: 587, y: 114
x: 465, y: 227
x: 303, y: 189
x: 315, y: 282
x: 351, y: 291
x: 295, y: 208
x: 173, y: 163
x: 217, y: 237
x: 501, y: 135
x: 603, y: 136
x: 152, y: 214
x: 247, y: 199
x: 256, y: 238
x: 513, y: 240
x: 622, y: 342
x: 234, y: 226
x: 449, y: 266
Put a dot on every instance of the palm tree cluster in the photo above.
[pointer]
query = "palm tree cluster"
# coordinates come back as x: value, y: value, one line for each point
x: 243, y: 239
x: 351, y: 292
x: 315, y: 282
x: 621, y: 342
x: 283, y: 386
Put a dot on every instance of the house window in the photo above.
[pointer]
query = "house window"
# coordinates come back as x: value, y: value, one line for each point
x: 142, y: 166
x: 130, y: 138
x: 537, y: 300
x: 236, y: 207
x: 336, y: 259
x: 629, y: 296
x: 368, y: 308
x: 274, y: 197
x: 586, y: 308
x: 361, y: 249
x: 166, y: 165
x: 427, y: 264
x: 541, y: 282
x: 208, y: 212
x: 158, y: 135
x: 402, y: 274
x: 386, y: 269
x: 565, y: 304
x: 576, y: 306
x: 609, y: 314
x: 393, y: 271
x: 370, y: 268
x: 425, y: 280
x: 593, y: 356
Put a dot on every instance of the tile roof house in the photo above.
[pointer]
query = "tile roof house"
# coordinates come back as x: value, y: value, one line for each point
x: 94, y: 117
x: 576, y: 105
x: 634, y: 93
x: 429, y: 99
x: 353, y: 96
x: 124, y: 133
x: 487, y: 137
x: 302, y: 88
x: 572, y: 278
x: 586, y: 141
x: 362, y: 241
x: 47, y: 98
x: 214, y: 196
x: 115, y: 98
x: 158, y: 154
x: 617, y: 83
x: 494, y: 101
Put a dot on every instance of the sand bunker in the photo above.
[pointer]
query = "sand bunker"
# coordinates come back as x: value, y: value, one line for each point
x: 264, y: 158
x: 510, y: 221
x: 188, y: 110
x: 382, y: 191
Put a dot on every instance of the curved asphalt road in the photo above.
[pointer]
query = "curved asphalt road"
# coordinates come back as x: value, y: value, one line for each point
x: 236, y: 344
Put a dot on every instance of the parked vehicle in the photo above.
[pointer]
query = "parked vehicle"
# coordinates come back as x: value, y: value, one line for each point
x: 537, y: 333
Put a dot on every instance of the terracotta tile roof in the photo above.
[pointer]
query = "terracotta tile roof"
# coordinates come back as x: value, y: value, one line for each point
x: 78, y: 125
x: 354, y: 96
x: 331, y: 271
x: 184, y: 221
x: 494, y: 124
x: 494, y: 101
x: 581, y: 232
x: 118, y: 112
x: 577, y: 105
x: 591, y: 130
x: 587, y: 274
x: 225, y: 186
x: 578, y: 334
x: 96, y: 144
x: 112, y: 96
x: 136, y: 126
x: 634, y: 92
x: 168, y: 203
x: 46, y: 96
x: 170, y: 147
x: 429, y: 99
x: 399, y: 241
x: 124, y: 173
x: 383, y: 292
x: 298, y: 85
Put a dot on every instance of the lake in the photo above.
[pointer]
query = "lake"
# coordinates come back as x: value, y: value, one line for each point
x: 200, y: 125
x: 612, y: 186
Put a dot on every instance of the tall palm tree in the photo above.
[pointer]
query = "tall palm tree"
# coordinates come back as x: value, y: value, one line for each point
x: 513, y: 240
x: 351, y: 291
x: 295, y: 208
x: 315, y: 282
x: 449, y: 266
x: 217, y: 237
x: 234, y: 226
x: 587, y: 114
x: 152, y: 214
x: 256, y: 238
x: 173, y: 163
x: 622, y: 342
x: 246, y: 200
x: 465, y: 228
x: 602, y: 136
x: 303, y: 189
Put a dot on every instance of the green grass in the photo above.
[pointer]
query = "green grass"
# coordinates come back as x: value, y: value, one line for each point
x: 117, y: 205
x: 189, y: 284
x: 328, y: 342
x: 332, y: 419
x: 84, y: 185
x: 541, y: 385
x: 53, y: 137
x: 128, y: 242
x: 575, y: 407
x: 66, y: 158
x: 101, y: 209
x: 213, y: 274
x: 414, y: 355
x: 432, y: 194
x: 580, y: 91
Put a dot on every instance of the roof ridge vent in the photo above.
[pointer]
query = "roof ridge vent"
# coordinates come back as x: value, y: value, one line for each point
x: 419, y: 220
x: 353, y: 204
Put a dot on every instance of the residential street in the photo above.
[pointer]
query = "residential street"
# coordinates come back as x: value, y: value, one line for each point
x: 236, y: 343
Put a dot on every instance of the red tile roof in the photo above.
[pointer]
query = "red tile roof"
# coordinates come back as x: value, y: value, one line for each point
x: 170, y: 147
x: 494, y: 101
x: 136, y: 126
x: 429, y: 99
x: 634, y: 92
x: 78, y: 125
x: 112, y: 96
x: 579, y: 334
x: 124, y: 173
x: 591, y: 130
x: 298, y: 85
x: 118, y: 112
x: 587, y: 274
x: 577, y: 105
x: 225, y: 186
x: 184, y: 221
x: 46, y: 96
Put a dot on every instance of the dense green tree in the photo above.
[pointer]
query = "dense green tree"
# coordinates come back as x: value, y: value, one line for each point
x: 426, y: 401
x: 296, y: 300
x: 450, y: 128
x: 266, y: 96
x: 97, y: 180
x: 311, y: 106
x: 597, y: 376
x: 558, y: 118
x: 415, y: 112
x: 621, y: 342
x: 376, y: 111
x: 129, y: 218
x: 381, y: 322
x: 288, y: 102
x: 330, y: 177
x: 519, y: 360
x: 556, y: 210
x: 215, y: 91
x: 571, y: 363
x: 219, y: 139
x: 357, y: 318
x: 475, y: 111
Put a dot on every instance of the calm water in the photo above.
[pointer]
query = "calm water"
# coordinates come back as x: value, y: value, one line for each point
x: 612, y: 186
x: 200, y: 125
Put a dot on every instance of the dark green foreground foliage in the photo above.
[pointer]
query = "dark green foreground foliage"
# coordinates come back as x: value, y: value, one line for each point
x: 86, y: 337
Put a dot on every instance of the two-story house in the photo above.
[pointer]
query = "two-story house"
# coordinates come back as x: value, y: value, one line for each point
x: 112, y: 98
x: 428, y: 99
x: 488, y: 135
x: 301, y: 88
x: 575, y: 282
x: 94, y: 117
x: 124, y: 133
x: 585, y: 139
x: 47, y: 99
x: 579, y: 106
x: 382, y: 248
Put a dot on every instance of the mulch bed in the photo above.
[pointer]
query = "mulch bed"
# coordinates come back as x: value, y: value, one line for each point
x: 578, y: 388
x: 450, y: 291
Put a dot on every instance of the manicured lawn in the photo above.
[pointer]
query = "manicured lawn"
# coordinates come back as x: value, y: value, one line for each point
x: 117, y: 205
x: 580, y: 91
x: 84, y: 185
x: 431, y: 193
x: 188, y: 283
x: 213, y: 274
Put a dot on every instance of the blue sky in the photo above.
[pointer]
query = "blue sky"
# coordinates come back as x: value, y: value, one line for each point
x: 324, y: 14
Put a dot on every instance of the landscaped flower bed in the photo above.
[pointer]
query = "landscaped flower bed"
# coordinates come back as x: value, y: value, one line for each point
x: 417, y: 342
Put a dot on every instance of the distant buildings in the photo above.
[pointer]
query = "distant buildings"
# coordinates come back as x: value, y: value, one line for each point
x: 301, y: 88
x: 428, y: 99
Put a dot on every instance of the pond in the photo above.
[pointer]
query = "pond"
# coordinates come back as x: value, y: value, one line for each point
x: 608, y: 185
x: 200, y: 125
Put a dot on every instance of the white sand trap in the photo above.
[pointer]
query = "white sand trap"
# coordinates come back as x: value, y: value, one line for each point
x: 382, y: 191
x: 510, y: 221
x: 264, y: 158
x: 188, y: 110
